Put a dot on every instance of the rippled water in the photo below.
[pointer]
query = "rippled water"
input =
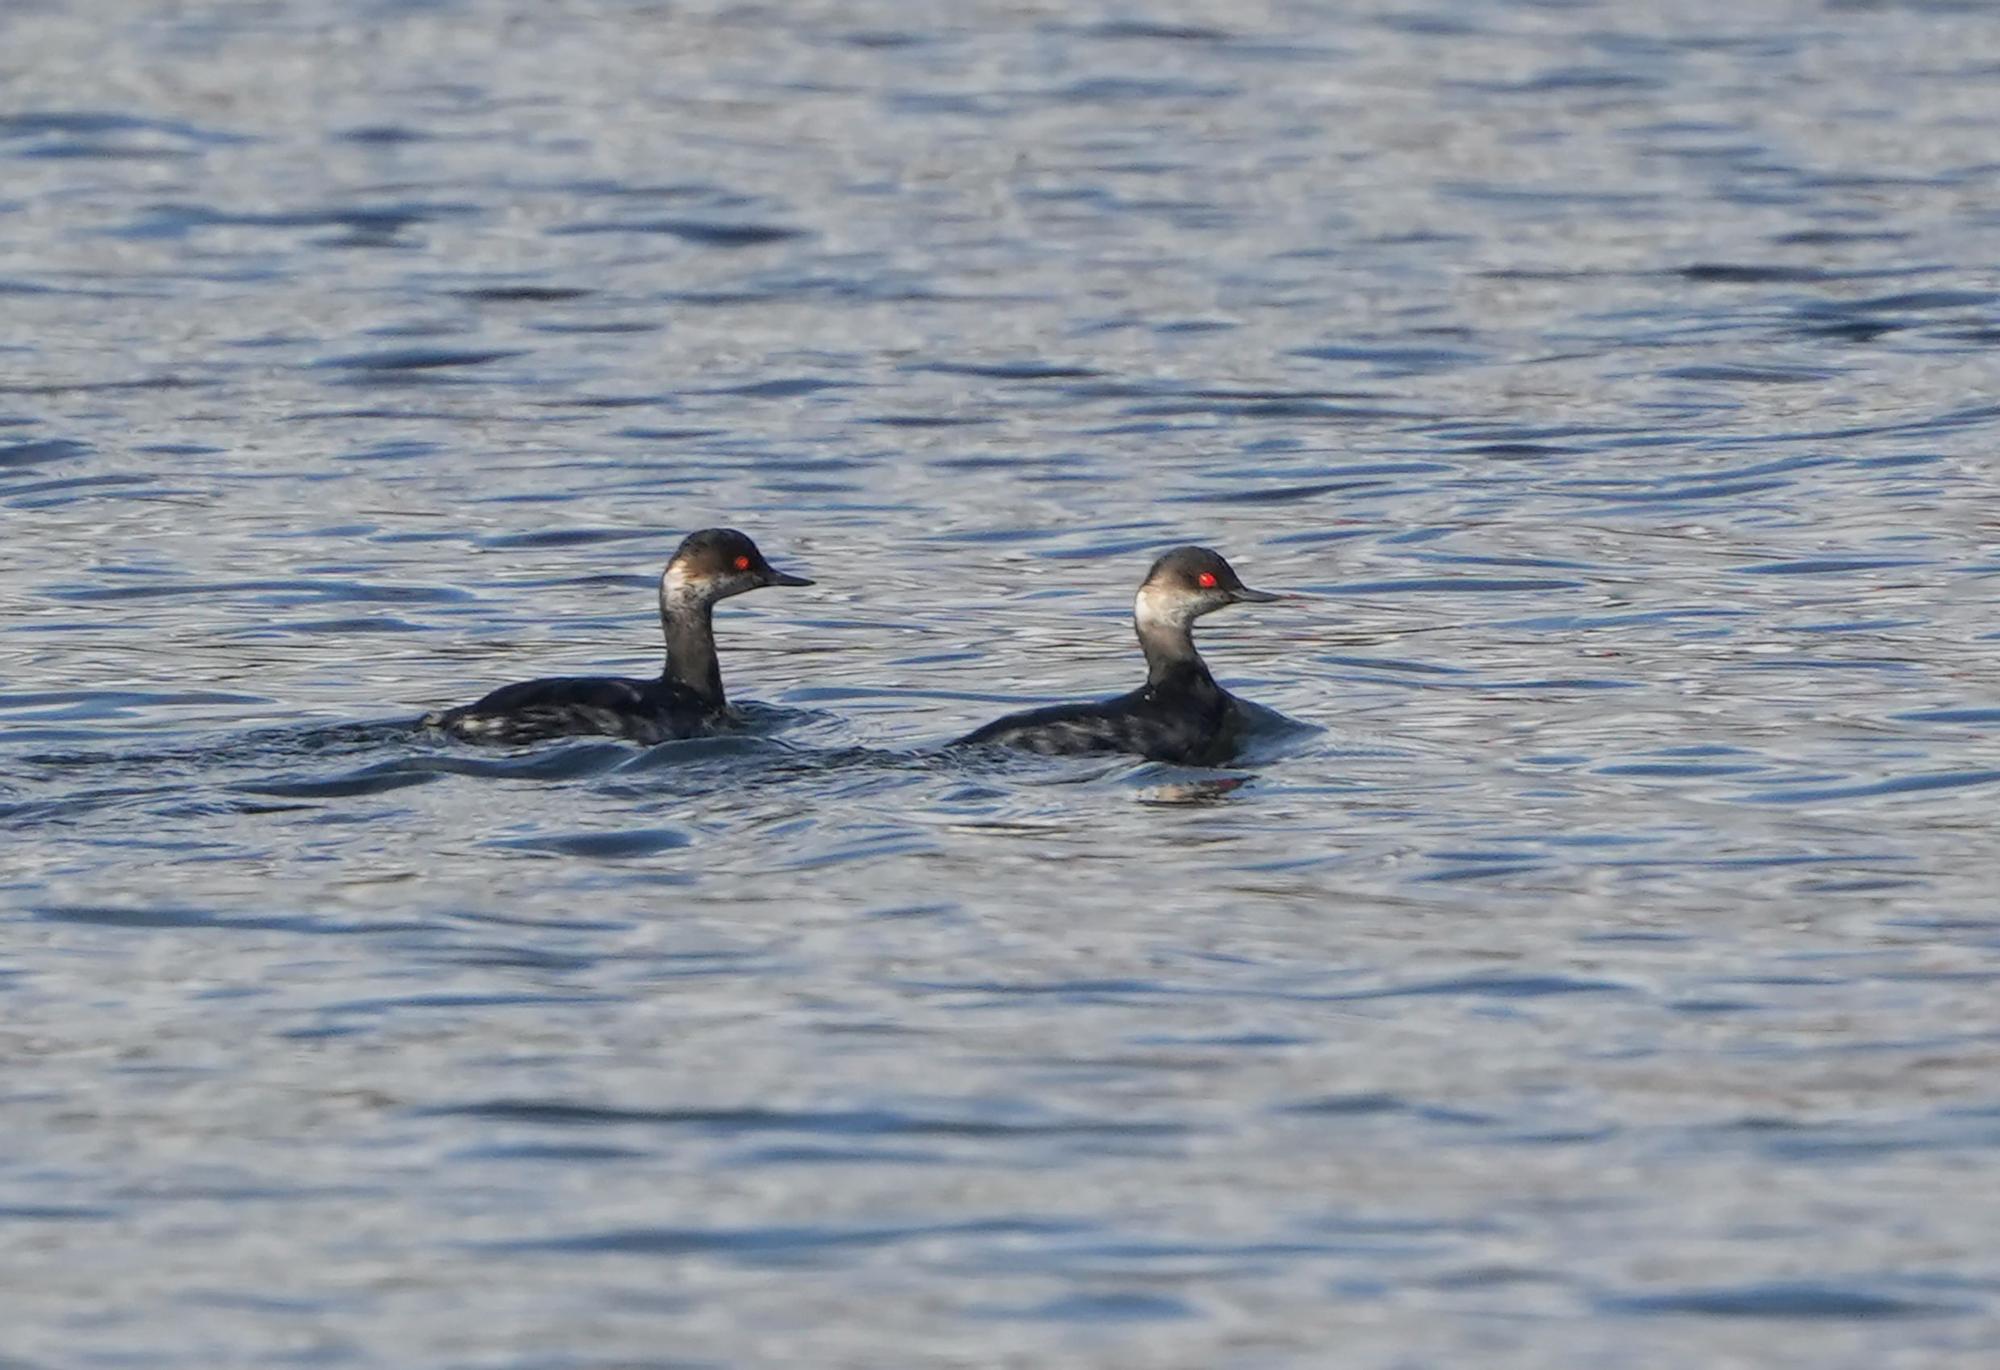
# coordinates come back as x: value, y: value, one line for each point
x: 1609, y: 981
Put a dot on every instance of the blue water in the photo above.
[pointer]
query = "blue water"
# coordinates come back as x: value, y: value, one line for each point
x: 1604, y: 976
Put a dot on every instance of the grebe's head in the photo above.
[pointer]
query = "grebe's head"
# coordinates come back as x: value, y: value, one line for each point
x: 717, y: 563
x: 1189, y: 582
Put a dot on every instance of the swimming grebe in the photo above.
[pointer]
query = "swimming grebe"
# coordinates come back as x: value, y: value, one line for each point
x: 686, y: 699
x: 1180, y: 714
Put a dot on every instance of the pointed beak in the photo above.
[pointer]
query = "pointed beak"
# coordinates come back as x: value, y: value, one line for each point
x: 772, y: 577
x: 1243, y: 594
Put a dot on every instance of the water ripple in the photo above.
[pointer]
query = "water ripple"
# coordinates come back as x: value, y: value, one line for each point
x: 1588, y: 959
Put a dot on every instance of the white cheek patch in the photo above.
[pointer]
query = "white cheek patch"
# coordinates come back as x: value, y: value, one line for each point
x: 677, y: 585
x: 1158, y: 608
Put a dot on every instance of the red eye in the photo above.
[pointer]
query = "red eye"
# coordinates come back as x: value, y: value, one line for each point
x: 1206, y: 580
x: 742, y: 563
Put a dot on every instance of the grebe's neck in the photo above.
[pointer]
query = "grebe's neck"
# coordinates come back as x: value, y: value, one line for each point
x: 1165, y: 624
x: 687, y: 618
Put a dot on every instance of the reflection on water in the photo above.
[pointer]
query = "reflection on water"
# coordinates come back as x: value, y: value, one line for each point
x: 1604, y: 973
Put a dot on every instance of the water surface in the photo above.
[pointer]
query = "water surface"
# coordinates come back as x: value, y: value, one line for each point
x: 1609, y: 979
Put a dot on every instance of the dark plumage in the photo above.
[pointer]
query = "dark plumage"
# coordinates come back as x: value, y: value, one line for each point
x: 684, y: 700
x: 1180, y: 714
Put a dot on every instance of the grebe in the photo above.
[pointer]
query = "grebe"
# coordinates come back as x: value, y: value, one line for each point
x: 684, y: 700
x: 1180, y: 714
